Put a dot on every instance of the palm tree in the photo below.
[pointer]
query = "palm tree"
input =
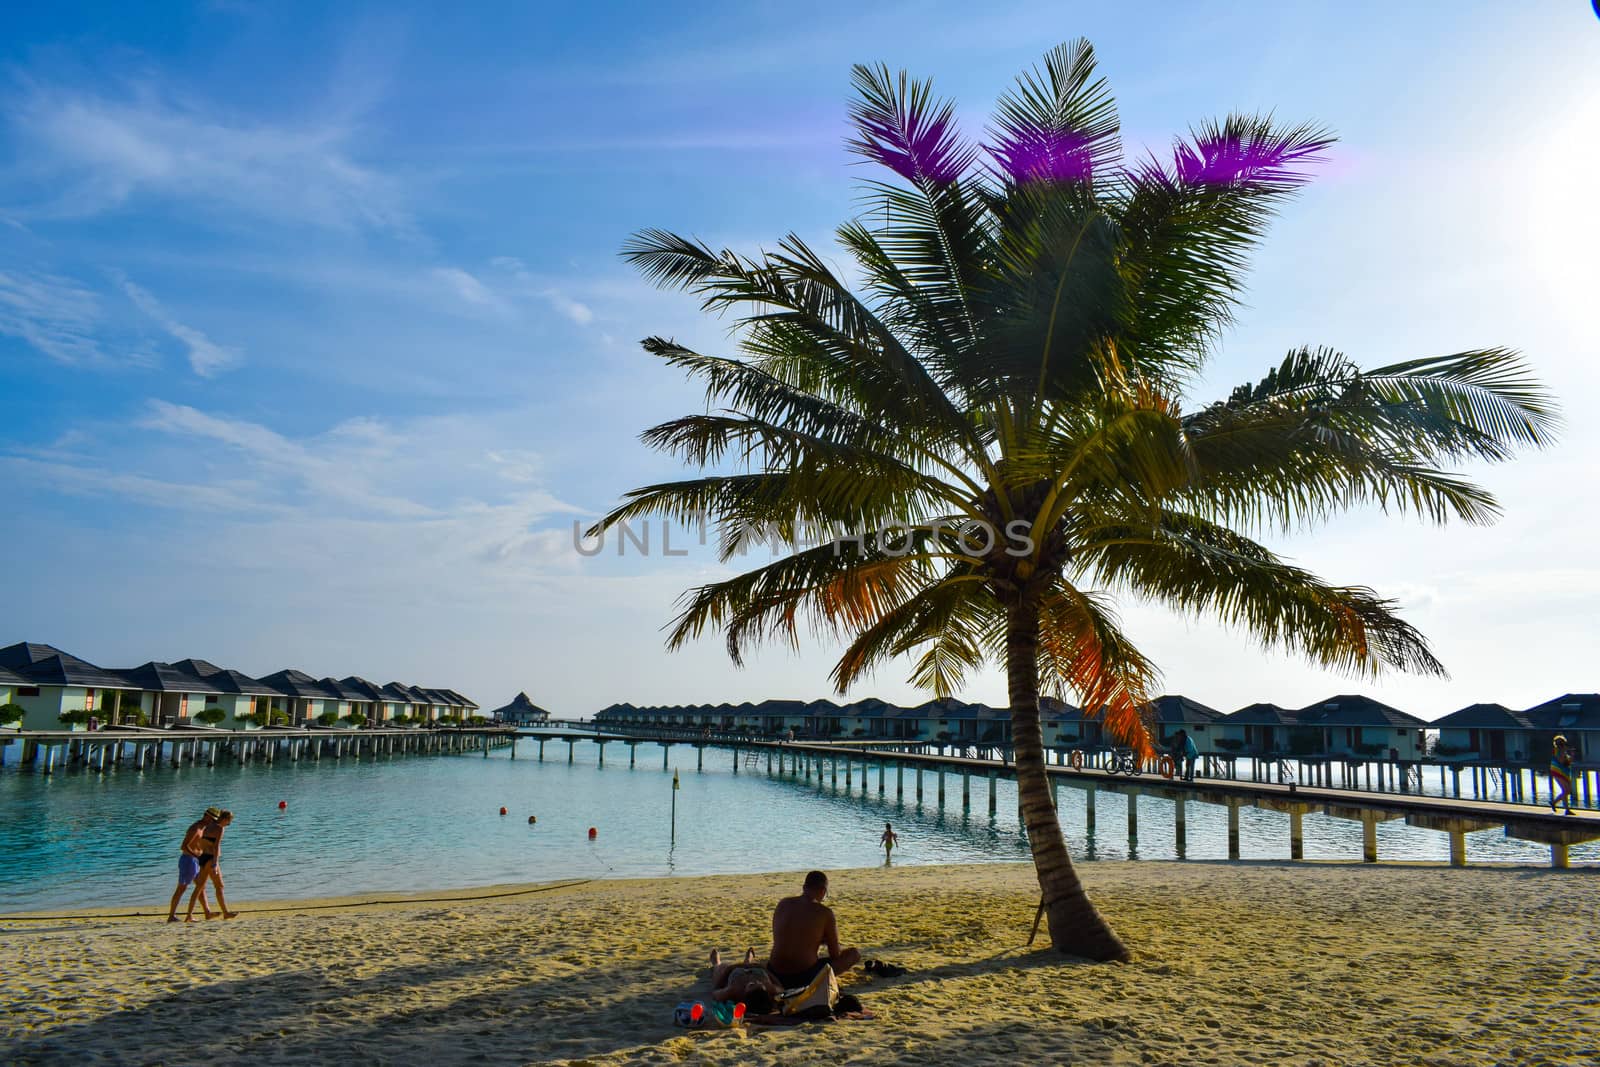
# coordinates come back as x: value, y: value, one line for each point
x: 966, y: 462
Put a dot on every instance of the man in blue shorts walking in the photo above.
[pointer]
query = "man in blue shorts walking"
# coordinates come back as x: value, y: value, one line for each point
x: 189, y: 862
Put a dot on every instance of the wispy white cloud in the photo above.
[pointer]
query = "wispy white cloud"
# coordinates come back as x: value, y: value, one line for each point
x: 206, y: 357
x: 57, y: 316
x: 87, y: 153
x: 575, y: 310
x: 466, y: 286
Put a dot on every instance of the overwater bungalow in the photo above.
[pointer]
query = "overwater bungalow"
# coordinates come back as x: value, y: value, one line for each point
x: 373, y: 704
x: 54, y: 683
x: 240, y: 696
x: 1352, y: 725
x: 1066, y: 727
x: 520, y: 712
x: 169, y: 696
x: 308, y: 698
x: 1576, y: 716
x: 402, y: 701
x: 1255, y: 730
x: 1173, y: 712
x: 1491, y: 732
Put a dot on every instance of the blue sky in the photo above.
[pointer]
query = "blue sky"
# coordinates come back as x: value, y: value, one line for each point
x: 314, y: 340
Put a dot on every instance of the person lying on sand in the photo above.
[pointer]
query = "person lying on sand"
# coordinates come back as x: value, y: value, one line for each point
x: 748, y: 982
x: 800, y: 926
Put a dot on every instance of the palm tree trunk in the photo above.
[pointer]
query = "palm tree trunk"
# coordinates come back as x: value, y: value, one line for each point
x: 1076, y: 928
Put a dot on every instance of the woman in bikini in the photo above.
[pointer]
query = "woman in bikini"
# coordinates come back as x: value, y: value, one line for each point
x: 210, y: 859
x: 749, y: 982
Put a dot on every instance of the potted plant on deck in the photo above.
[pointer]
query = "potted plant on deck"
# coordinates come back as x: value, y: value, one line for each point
x: 210, y: 716
x: 75, y: 719
x: 11, y: 715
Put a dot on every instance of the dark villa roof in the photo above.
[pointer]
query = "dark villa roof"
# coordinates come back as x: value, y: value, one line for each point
x: 1484, y: 717
x: 339, y: 689
x: 8, y: 678
x: 367, y: 689
x: 1175, y: 708
x: 457, y: 698
x: 1052, y: 709
x: 1575, y: 711
x: 396, y: 693
x: 226, y: 679
x: 1262, y: 715
x: 437, y: 696
x: 520, y: 708
x: 1355, y: 710
x: 48, y: 665
x: 154, y: 677
x: 298, y: 684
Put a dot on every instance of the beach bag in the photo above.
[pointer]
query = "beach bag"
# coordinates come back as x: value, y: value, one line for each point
x: 816, y: 1000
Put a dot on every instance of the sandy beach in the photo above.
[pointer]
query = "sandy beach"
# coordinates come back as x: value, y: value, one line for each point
x: 1234, y: 964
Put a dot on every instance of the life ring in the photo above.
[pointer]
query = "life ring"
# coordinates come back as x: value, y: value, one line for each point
x: 1076, y: 759
x: 1167, y: 767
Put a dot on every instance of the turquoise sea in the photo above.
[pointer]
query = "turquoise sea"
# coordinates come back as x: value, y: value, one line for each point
x: 429, y: 822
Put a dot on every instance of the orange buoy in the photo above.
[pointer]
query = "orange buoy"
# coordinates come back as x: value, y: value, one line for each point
x: 1076, y: 759
x: 282, y: 804
x: 1166, y: 766
x: 593, y: 833
x: 502, y: 811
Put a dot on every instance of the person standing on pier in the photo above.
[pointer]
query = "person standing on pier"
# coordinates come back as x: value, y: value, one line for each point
x: 1561, y: 773
x: 210, y: 865
x: 189, y: 865
x: 1185, y: 753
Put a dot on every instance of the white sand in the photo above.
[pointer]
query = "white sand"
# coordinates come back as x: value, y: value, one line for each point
x: 1235, y: 964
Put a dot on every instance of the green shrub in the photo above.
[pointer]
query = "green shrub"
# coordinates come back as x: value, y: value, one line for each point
x: 328, y: 718
x: 210, y: 716
x: 356, y: 719
x: 10, y: 713
x: 134, y: 716
x: 75, y: 717
x: 1374, y: 749
x: 449, y: 720
x: 479, y: 720
x: 1228, y: 744
x: 278, y: 717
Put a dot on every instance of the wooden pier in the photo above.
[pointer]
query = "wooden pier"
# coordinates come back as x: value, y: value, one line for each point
x: 103, y: 751
x: 1327, y: 792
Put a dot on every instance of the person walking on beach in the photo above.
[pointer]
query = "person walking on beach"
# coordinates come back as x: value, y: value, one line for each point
x: 189, y: 864
x: 210, y: 865
x: 888, y: 841
x: 800, y: 926
x: 1561, y: 773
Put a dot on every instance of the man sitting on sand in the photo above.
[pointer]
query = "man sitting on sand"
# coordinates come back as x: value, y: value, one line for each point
x: 189, y: 864
x: 748, y: 982
x: 801, y: 925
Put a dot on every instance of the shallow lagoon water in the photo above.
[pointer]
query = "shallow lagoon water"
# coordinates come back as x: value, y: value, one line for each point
x: 405, y: 823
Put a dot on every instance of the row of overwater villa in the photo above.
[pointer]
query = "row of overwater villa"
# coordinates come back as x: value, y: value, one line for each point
x: 57, y: 690
x: 1340, y: 726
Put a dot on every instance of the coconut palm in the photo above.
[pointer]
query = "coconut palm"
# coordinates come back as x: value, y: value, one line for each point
x: 966, y: 460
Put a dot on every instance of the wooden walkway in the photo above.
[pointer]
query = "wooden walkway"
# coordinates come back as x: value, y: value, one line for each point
x: 1454, y: 816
